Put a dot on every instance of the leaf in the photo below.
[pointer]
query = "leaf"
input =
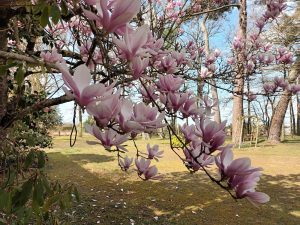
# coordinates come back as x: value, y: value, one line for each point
x: 5, y: 201
x: 19, y: 76
x: 38, y: 192
x: 64, y: 8
x: 22, y: 196
x: 29, y: 159
x: 44, y: 19
x: 41, y: 159
x: 55, y: 14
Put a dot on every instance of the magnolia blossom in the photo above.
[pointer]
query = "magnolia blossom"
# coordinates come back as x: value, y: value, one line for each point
x: 240, y: 176
x: 106, y: 109
x: 212, y: 134
x: 154, y: 153
x: 133, y: 42
x: 114, y: 15
x: 125, y: 163
x: 169, y: 83
x: 80, y: 85
x: 52, y: 57
x: 138, y: 66
x: 108, y: 138
x: 189, y: 108
x: 139, y: 117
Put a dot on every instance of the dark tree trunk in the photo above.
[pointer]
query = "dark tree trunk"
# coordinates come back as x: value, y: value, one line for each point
x: 298, y: 114
x: 281, y: 108
x: 4, y: 19
x: 237, y: 111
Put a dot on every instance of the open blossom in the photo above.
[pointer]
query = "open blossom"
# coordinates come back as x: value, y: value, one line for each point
x: 80, y: 85
x: 125, y: 163
x: 189, y: 132
x: 173, y: 101
x: 106, y: 109
x: 113, y: 16
x: 154, y: 153
x: 280, y: 82
x: 147, y: 117
x: 269, y: 88
x: 294, y: 88
x: 144, y: 168
x: 168, y: 64
x: 212, y: 134
x: 139, y: 117
x: 241, y: 176
x: 52, y: 57
x: 142, y: 165
x: 189, y: 108
x: 149, y: 94
x: 132, y: 44
x: 169, y: 83
x: 108, y: 138
x: 138, y: 66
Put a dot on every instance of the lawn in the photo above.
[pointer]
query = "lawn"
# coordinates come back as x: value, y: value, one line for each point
x: 110, y: 196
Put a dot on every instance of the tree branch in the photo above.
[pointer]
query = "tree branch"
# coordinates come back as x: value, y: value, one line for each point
x: 12, y: 116
x: 22, y: 58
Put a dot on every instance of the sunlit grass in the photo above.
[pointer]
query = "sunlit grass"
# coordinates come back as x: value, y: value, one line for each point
x: 110, y: 196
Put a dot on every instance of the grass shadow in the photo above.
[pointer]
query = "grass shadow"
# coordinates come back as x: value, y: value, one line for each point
x: 179, y: 198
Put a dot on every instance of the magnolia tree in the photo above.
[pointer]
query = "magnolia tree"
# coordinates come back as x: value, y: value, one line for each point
x: 119, y: 64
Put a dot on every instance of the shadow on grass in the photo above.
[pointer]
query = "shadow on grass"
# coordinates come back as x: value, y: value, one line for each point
x: 179, y: 198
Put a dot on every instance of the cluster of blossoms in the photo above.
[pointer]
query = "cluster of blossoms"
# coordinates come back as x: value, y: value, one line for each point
x: 154, y: 70
x: 272, y: 87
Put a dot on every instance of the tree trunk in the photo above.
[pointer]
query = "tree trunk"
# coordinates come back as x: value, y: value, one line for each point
x: 4, y: 19
x: 214, y: 90
x: 237, y: 111
x: 292, y: 118
x: 298, y: 115
x: 280, y: 109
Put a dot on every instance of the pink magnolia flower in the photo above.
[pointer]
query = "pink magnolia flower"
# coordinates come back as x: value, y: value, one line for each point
x: 189, y: 108
x: 168, y: 64
x: 174, y: 101
x: 147, y: 117
x: 80, y: 86
x: 269, y: 88
x: 294, y: 88
x: 149, y: 94
x: 169, y: 83
x: 52, y: 57
x: 189, y: 132
x: 211, y: 133
x: 154, y: 153
x: 230, y: 168
x: 280, y: 82
x: 132, y: 45
x: 108, y: 138
x: 125, y: 163
x: 106, y: 109
x: 139, y: 118
x: 142, y: 165
x: 198, y: 155
x: 113, y: 16
x: 204, y: 73
x: 251, y: 96
x: 138, y: 66
x: 151, y: 173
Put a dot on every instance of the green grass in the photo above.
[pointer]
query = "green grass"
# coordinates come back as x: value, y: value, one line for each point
x: 109, y: 196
